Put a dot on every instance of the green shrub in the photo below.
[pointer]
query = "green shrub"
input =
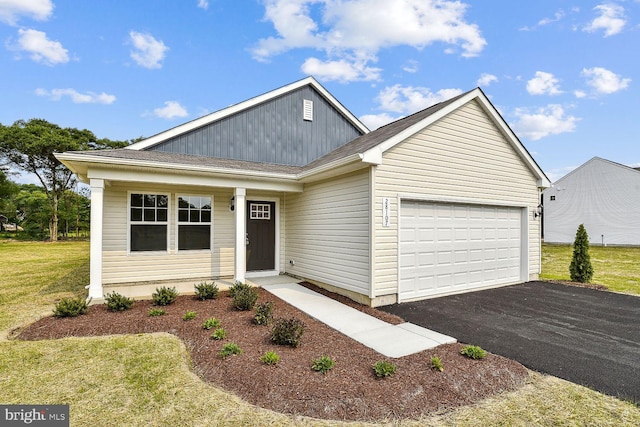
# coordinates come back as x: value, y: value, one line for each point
x: 206, y: 290
x: 436, y: 364
x: 245, y: 298
x: 473, y: 352
x: 156, y: 312
x: 219, y: 334
x: 287, y: 332
x: 237, y: 286
x: 230, y: 349
x: 270, y: 358
x: 211, y: 323
x: 580, y: 268
x: 189, y: 315
x: 264, y: 313
x: 117, y: 302
x: 384, y: 369
x: 70, y: 307
x: 164, y: 296
x: 323, y: 364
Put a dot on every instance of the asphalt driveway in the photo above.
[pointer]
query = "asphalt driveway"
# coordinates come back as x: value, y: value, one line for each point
x: 586, y: 336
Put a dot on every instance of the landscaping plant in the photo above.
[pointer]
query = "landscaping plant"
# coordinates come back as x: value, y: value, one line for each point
x: 211, y: 323
x: 580, y: 268
x: 384, y: 369
x: 206, y: 291
x: 189, y: 315
x: 323, y: 364
x: 436, y: 364
x: 270, y: 358
x: 237, y: 286
x: 70, y: 307
x: 287, y: 332
x: 245, y: 298
x: 230, y: 349
x: 117, y: 302
x: 164, y: 296
x: 156, y: 312
x: 264, y: 313
x: 219, y: 334
x: 473, y: 352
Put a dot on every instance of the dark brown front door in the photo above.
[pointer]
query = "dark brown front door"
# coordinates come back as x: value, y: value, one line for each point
x: 261, y: 235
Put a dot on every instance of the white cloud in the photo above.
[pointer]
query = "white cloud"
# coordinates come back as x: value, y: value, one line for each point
x: 545, y: 121
x: 341, y: 70
x: 11, y: 10
x: 611, y: 19
x: 203, y: 4
x: 171, y: 110
x: 411, y: 66
x: 77, y: 97
x: 409, y: 99
x: 40, y: 48
x: 374, y: 121
x: 546, y: 21
x: 149, y: 52
x: 486, y: 79
x: 579, y: 93
x: 543, y: 83
x: 350, y: 30
x: 604, y: 81
x: 557, y: 173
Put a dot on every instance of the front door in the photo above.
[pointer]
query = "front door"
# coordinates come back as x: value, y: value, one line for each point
x: 261, y: 235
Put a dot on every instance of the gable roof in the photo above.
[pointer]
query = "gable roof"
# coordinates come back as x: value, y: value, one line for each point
x: 597, y: 159
x: 236, y: 108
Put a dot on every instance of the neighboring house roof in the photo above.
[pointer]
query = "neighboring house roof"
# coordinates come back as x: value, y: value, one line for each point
x: 360, y: 152
x: 595, y: 160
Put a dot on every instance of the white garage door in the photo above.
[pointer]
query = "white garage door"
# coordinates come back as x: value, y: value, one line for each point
x: 451, y: 248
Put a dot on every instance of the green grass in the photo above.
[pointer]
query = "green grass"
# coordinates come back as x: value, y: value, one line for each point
x: 617, y: 268
x: 35, y: 275
x: 147, y: 379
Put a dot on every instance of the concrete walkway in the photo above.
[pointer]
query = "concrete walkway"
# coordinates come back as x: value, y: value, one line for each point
x: 389, y: 340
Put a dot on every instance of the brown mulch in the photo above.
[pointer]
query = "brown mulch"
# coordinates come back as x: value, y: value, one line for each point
x: 350, y: 391
x: 580, y: 285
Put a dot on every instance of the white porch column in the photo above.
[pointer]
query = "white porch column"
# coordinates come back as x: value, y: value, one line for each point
x: 97, y: 213
x: 241, y: 235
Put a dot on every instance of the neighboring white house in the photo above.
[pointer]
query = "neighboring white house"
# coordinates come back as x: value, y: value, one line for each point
x: 290, y: 182
x: 602, y: 195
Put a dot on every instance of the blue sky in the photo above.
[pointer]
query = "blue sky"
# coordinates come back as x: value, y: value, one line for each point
x: 563, y: 74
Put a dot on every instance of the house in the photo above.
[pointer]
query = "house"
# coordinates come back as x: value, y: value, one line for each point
x: 602, y: 195
x: 291, y: 182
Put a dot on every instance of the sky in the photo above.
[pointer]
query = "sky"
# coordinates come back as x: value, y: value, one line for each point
x: 565, y: 75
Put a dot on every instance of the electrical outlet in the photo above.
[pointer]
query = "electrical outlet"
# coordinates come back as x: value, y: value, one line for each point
x: 292, y: 262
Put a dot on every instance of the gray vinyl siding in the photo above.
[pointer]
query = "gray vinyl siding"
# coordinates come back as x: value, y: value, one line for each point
x: 602, y: 195
x: 272, y: 132
x: 119, y: 266
x: 463, y: 156
x: 328, y: 232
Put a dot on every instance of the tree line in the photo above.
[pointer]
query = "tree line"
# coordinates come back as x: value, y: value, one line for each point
x: 53, y: 208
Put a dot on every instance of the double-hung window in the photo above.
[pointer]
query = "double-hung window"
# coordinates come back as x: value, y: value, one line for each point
x: 148, y: 217
x: 194, y: 222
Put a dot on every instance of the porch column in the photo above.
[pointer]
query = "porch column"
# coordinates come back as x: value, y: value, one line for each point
x: 241, y: 235
x: 97, y: 212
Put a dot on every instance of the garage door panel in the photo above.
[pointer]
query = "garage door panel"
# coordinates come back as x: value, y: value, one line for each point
x: 447, y: 248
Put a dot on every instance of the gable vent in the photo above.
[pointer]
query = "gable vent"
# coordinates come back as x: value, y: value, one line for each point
x: 307, y: 109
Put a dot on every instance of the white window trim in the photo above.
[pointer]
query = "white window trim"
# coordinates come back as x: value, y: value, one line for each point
x: 179, y: 223
x: 259, y: 205
x: 129, y: 222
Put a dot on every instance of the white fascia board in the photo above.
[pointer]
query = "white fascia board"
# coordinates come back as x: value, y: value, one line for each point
x: 328, y: 167
x: 225, y: 112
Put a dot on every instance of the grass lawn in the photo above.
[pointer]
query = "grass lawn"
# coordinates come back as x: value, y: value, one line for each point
x: 146, y: 379
x: 615, y: 267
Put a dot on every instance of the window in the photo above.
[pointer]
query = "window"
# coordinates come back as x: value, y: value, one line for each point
x: 148, y: 215
x: 194, y: 222
x: 260, y: 211
x: 552, y: 198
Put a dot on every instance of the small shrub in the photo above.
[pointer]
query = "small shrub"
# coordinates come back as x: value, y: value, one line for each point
x: 156, y: 312
x: 164, y: 296
x: 211, y: 323
x: 70, y: 307
x: 264, y: 313
x: 287, y: 332
x: 230, y: 349
x: 245, y: 298
x: 270, y: 358
x: 189, y: 315
x: 324, y: 364
x: 206, y: 291
x: 219, y: 334
x: 384, y: 369
x: 580, y: 268
x: 436, y: 364
x: 473, y: 352
x: 237, y: 286
x: 117, y: 302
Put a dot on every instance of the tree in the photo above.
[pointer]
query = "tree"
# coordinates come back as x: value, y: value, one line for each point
x: 580, y: 268
x: 31, y: 145
x: 7, y: 190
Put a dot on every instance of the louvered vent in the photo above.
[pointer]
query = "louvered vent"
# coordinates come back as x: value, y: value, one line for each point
x: 307, y: 109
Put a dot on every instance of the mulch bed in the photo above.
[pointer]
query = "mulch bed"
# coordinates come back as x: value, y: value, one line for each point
x: 350, y: 391
x: 580, y: 285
